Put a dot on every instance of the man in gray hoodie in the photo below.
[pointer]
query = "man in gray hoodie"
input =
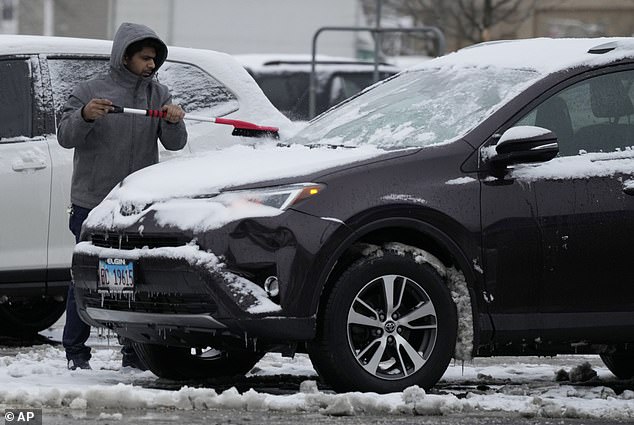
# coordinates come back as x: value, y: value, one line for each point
x: 109, y: 147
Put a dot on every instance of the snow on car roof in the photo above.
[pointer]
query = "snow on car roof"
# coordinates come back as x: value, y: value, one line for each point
x: 25, y: 44
x: 224, y: 67
x: 543, y: 55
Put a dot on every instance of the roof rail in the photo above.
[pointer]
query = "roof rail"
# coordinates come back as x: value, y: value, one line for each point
x: 323, y: 62
x: 485, y: 43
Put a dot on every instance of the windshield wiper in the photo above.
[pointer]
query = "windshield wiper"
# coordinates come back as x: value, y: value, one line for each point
x: 319, y: 145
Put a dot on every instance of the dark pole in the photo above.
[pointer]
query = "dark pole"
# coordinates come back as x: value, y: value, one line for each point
x: 377, y: 41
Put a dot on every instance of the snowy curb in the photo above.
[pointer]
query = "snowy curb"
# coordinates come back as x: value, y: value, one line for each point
x: 37, y: 377
x: 562, y: 403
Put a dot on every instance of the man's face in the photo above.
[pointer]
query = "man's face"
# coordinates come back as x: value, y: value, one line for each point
x: 142, y: 62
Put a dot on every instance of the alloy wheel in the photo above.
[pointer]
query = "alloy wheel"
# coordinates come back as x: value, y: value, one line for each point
x: 392, y: 327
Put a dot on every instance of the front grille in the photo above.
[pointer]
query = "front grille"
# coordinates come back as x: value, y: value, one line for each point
x: 135, y: 240
x: 152, y: 303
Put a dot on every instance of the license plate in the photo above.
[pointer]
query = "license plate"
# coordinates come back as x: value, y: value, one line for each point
x: 116, y: 275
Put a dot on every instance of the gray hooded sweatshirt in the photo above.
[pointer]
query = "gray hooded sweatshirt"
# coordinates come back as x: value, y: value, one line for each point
x: 110, y: 148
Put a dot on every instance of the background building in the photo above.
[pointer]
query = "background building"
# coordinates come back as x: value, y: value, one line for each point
x: 288, y: 26
x: 70, y: 18
x: 236, y: 26
x: 8, y: 17
x: 465, y: 22
x: 574, y: 18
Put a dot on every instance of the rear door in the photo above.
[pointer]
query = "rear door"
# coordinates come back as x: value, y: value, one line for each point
x: 25, y: 176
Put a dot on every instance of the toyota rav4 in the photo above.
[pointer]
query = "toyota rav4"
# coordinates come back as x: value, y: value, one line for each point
x: 480, y: 204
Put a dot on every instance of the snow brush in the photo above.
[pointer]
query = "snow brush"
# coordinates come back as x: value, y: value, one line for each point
x: 240, y: 128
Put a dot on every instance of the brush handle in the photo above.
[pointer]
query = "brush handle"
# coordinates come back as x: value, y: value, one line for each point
x: 245, y: 126
x: 154, y: 113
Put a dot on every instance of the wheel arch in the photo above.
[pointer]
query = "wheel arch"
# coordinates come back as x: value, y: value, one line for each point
x: 403, y: 227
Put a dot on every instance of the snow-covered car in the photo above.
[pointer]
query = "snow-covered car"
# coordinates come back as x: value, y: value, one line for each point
x: 478, y: 205
x: 37, y: 75
x: 285, y: 80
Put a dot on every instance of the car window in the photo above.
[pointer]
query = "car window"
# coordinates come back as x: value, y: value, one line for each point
x: 16, y: 108
x: 67, y: 73
x: 191, y: 87
x: 594, y: 115
x: 196, y: 90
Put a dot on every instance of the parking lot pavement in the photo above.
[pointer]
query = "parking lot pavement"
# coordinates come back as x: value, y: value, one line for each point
x: 502, y: 390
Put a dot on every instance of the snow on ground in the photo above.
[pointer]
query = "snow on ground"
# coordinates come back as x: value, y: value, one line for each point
x: 37, y: 377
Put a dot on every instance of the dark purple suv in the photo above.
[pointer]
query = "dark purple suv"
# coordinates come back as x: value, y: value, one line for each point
x: 478, y: 205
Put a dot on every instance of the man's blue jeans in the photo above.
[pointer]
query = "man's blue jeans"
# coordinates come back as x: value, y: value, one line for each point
x: 76, y: 332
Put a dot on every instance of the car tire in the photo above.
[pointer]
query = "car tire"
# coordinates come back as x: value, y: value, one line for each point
x: 360, y: 347
x: 31, y: 316
x: 621, y: 363
x: 179, y: 363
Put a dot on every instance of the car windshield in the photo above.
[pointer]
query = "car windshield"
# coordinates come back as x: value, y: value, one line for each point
x: 418, y: 108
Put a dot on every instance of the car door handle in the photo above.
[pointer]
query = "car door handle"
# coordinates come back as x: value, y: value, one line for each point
x: 629, y: 190
x: 25, y: 166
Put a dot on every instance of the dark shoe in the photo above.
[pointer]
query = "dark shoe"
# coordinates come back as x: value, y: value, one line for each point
x: 79, y: 364
x: 132, y: 360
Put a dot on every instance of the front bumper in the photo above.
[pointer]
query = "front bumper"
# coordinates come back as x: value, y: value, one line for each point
x: 185, y: 295
x: 197, y: 329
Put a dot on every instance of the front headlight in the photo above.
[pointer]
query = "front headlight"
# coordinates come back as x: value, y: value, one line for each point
x: 280, y: 197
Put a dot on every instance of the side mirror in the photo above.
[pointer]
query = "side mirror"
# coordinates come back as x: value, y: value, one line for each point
x: 524, y: 144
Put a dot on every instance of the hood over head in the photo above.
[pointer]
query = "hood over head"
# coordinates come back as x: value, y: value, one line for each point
x: 129, y: 33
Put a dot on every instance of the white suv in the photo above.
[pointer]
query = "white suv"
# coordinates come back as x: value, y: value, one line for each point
x: 37, y: 74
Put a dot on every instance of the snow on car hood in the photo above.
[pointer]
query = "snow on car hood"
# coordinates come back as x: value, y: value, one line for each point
x: 181, y: 192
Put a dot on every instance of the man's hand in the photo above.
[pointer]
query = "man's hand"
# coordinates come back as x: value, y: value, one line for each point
x: 174, y: 113
x: 96, y: 108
